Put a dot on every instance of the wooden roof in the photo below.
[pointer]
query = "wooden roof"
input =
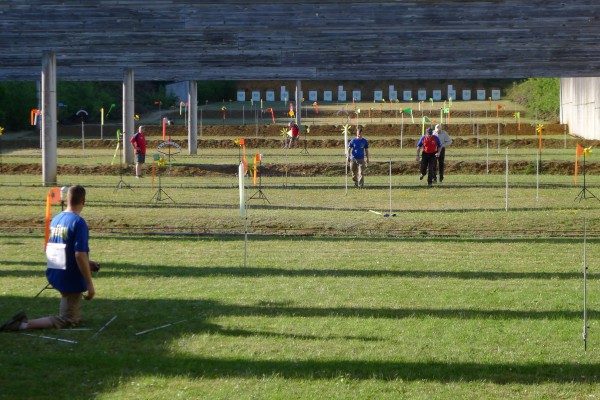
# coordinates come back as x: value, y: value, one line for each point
x: 307, y: 40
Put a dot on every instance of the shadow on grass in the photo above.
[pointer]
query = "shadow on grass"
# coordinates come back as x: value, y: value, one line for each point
x: 273, y: 310
x: 111, y: 270
x: 118, y: 355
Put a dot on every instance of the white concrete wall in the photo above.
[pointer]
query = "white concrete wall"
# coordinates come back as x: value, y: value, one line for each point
x: 580, y: 106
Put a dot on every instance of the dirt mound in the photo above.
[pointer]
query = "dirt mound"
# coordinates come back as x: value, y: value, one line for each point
x: 314, y: 169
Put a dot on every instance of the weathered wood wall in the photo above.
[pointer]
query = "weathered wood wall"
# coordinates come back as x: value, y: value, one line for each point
x: 307, y: 40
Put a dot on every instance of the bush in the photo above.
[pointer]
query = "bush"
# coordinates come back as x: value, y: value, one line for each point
x: 16, y: 101
x: 539, y: 95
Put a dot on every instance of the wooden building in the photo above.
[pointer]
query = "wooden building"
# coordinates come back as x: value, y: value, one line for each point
x: 174, y: 40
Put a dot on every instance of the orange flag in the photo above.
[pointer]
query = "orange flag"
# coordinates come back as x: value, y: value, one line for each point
x: 53, y: 197
x: 257, y: 159
x: 578, y: 153
x: 272, y: 113
x: 34, y: 114
x: 243, y: 143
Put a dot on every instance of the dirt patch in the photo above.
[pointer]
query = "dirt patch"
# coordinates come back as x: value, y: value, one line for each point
x: 330, y: 137
x: 316, y: 169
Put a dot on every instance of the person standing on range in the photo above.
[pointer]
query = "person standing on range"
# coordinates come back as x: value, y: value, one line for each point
x: 445, y: 141
x: 431, y: 150
x: 139, y: 146
x: 293, y: 133
x: 358, y: 156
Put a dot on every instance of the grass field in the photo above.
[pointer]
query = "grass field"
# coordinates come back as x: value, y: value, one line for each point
x: 471, y: 291
x: 310, y: 317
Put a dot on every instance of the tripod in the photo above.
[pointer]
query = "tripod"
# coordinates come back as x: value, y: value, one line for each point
x: 158, y: 196
x: 583, y: 194
x: 121, y: 183
x: 305, y: 149
x: 259, y: 193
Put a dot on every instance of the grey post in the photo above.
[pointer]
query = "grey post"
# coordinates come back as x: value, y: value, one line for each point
x: 193, y: 117
x: 49, y: 170
x: 298, y: 103
x: 128, y: 115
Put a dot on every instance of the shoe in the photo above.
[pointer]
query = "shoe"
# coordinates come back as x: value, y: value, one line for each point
x: 355, y: 184
x: 441, y: 179
x: 430, y: 185
x: 361, y: 186
x: 434, y: 180
x: 421, y: 177
x: 14, y: 323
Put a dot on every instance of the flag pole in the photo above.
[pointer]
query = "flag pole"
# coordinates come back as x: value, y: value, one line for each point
x: 585, y: 327
x: 507, y: 179
x: 402, y: 130
x: 537, y: 177
x: 390, y: 186
x: 487, y: 152
x: 498, y: 118
x: 346, y: 163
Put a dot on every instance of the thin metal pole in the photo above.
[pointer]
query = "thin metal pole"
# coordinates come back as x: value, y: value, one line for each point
x: 487, y: 157
x: 507, y: 179
x: 390, y: 186
x: 498, y: 135
x: 585, y: 327
x: 346, y: 162
x: 537, y: 176
x: 82, y: 138
x: 402, y: 130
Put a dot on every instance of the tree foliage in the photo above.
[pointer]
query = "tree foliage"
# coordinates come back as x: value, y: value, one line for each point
x: 216, y: 91
x: 89, y: 96
x: 16, y: 101
x: 539, y: 95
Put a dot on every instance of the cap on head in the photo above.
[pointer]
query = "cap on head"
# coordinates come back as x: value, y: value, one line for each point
x: 429, y: 131
x: 438, y: 127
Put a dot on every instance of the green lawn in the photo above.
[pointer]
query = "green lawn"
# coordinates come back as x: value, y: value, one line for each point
x: 470, y: 291
x: 310, y: 317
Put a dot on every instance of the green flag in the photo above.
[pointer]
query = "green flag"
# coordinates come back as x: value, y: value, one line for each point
x: 425, y: 120
x: 407, y: 110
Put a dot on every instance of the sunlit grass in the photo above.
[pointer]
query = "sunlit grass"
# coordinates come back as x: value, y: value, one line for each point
x: 427, y: 318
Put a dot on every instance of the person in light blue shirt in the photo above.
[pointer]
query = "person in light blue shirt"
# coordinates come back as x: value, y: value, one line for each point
x: 358, y: 156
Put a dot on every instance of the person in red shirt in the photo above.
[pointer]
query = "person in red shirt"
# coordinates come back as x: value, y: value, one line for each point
x: 139, y: 147
x: 294, y: 134
x: 431, y: 151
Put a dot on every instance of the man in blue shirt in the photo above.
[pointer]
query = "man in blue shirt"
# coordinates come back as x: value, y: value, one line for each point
x: 69, y: 269
x: 358, y: 156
